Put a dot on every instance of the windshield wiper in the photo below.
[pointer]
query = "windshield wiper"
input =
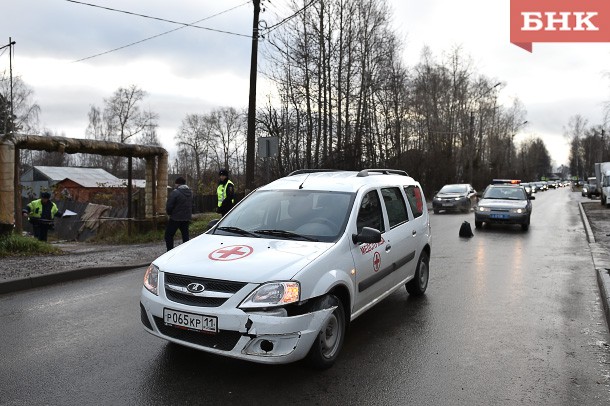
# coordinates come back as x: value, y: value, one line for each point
x: 237, y: 230
x: 285, y: 234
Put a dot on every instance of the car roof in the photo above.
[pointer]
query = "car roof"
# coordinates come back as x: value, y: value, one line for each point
x: 340, y: 181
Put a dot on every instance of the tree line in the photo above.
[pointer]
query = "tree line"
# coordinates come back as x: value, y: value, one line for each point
x: 588, y: 144
x: 343, y: 98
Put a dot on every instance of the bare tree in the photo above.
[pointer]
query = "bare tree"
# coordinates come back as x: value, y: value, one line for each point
x: 25, y: 110
x: 195, y: 141
x: 575, y: 131
x: 121, y: 119
x: 229, y: 131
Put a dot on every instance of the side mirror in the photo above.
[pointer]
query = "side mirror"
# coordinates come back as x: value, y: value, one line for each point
x: 367, y: 235
x: 532, y: 197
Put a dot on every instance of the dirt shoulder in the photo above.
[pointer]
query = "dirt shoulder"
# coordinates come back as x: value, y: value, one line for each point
x: 79, y: 256
x: 599, y: 220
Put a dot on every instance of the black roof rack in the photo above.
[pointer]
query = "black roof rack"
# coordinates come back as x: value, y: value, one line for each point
x: 362, y: 173
x: 302, y: 171
x: 365, y: 172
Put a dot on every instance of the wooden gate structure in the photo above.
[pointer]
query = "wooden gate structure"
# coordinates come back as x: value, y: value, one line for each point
x: 10, y: 145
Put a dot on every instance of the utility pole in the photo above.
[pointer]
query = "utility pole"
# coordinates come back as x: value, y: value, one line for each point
x: 250, y: 137
x: 6, y: 134
x: 10, y: 63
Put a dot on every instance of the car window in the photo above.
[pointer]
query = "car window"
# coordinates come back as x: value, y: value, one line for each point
x: 395, y: 206
x: 415, y: 199
x: 509, y: 193
x: 454, y: 189
x: 321, y: 215
x: 369, y: 213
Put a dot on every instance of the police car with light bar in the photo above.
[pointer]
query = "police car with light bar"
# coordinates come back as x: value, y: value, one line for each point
x: 504, y: 202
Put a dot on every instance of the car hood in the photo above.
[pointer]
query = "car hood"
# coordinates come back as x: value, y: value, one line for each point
x: 243, y: 259
x: 497, y: 203
x: 449, y: 195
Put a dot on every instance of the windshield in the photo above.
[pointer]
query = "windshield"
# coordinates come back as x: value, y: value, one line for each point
x: 453, y: 189
x: 289, y: 214
x: 507, y: 193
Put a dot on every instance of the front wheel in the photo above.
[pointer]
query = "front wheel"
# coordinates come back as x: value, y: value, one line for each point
x: 478, y: 224
x: 325, y: 349
x: 417, y: 286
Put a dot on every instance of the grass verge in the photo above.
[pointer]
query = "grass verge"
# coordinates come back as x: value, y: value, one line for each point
x: 17, y: 245
x: 198, y: 226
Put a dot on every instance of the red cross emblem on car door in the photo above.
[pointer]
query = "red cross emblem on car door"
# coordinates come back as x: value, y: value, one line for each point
x: 376, y: 261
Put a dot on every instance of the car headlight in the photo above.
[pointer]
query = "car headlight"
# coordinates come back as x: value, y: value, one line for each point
x: 273, y: 294
x: 151, y: 279
x: 480, y: 208
x: 438, y: 198
x: 518, y: 211
x: 459, y: 198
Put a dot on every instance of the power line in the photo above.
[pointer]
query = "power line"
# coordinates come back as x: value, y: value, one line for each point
x: 159, y: 35
x: 158, y: 19
x: 274, y: 26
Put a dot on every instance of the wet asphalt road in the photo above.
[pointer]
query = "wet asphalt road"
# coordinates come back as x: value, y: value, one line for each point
x: 510, y: 318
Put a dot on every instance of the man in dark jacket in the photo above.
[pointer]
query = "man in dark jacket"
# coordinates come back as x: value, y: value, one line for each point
x: 179, y: 208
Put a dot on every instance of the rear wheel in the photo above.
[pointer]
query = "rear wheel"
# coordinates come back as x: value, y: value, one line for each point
x: 418, y: 285
x: 325, y: 349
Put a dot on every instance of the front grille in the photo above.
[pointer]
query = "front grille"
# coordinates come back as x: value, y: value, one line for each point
x: 211, y: 285
x: 194, y: 300
x: 144, y: 318
x: 223, y: 340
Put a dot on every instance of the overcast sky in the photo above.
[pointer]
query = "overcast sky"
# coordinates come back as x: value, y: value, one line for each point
x: 194, y: 70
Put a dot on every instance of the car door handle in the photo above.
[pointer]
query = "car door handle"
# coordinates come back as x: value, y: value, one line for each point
x: 414, y: 233
x: 388, y: 248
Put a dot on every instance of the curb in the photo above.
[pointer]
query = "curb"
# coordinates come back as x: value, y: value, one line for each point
x: 65, y: 276
x: 601, y: 263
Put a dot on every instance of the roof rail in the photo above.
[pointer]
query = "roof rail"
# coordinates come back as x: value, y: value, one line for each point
x: 365, y: 172
x: 302, y: 171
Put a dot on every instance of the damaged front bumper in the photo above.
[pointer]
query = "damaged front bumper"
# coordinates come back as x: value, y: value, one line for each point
x: 257, y: 337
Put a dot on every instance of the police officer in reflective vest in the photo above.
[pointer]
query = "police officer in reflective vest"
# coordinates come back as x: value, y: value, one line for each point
x: 41, y: 213
x: 225, y: 192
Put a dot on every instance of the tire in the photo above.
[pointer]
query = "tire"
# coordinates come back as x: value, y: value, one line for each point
x: 525, y: 227
x: 478, y: 224
x: 325, y: 349
x: 466, y: 209
x: 418, y: 285
x: 436, y: 211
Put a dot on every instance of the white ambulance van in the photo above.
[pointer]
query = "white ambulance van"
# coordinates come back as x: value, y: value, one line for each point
x: 280, y: 277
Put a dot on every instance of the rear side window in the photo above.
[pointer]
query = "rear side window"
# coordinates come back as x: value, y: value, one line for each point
x: 416, y: 200
x: 395, y: 206
x: 369, y: 213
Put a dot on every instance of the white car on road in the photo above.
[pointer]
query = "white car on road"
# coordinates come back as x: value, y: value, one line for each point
x: 280, y: 277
